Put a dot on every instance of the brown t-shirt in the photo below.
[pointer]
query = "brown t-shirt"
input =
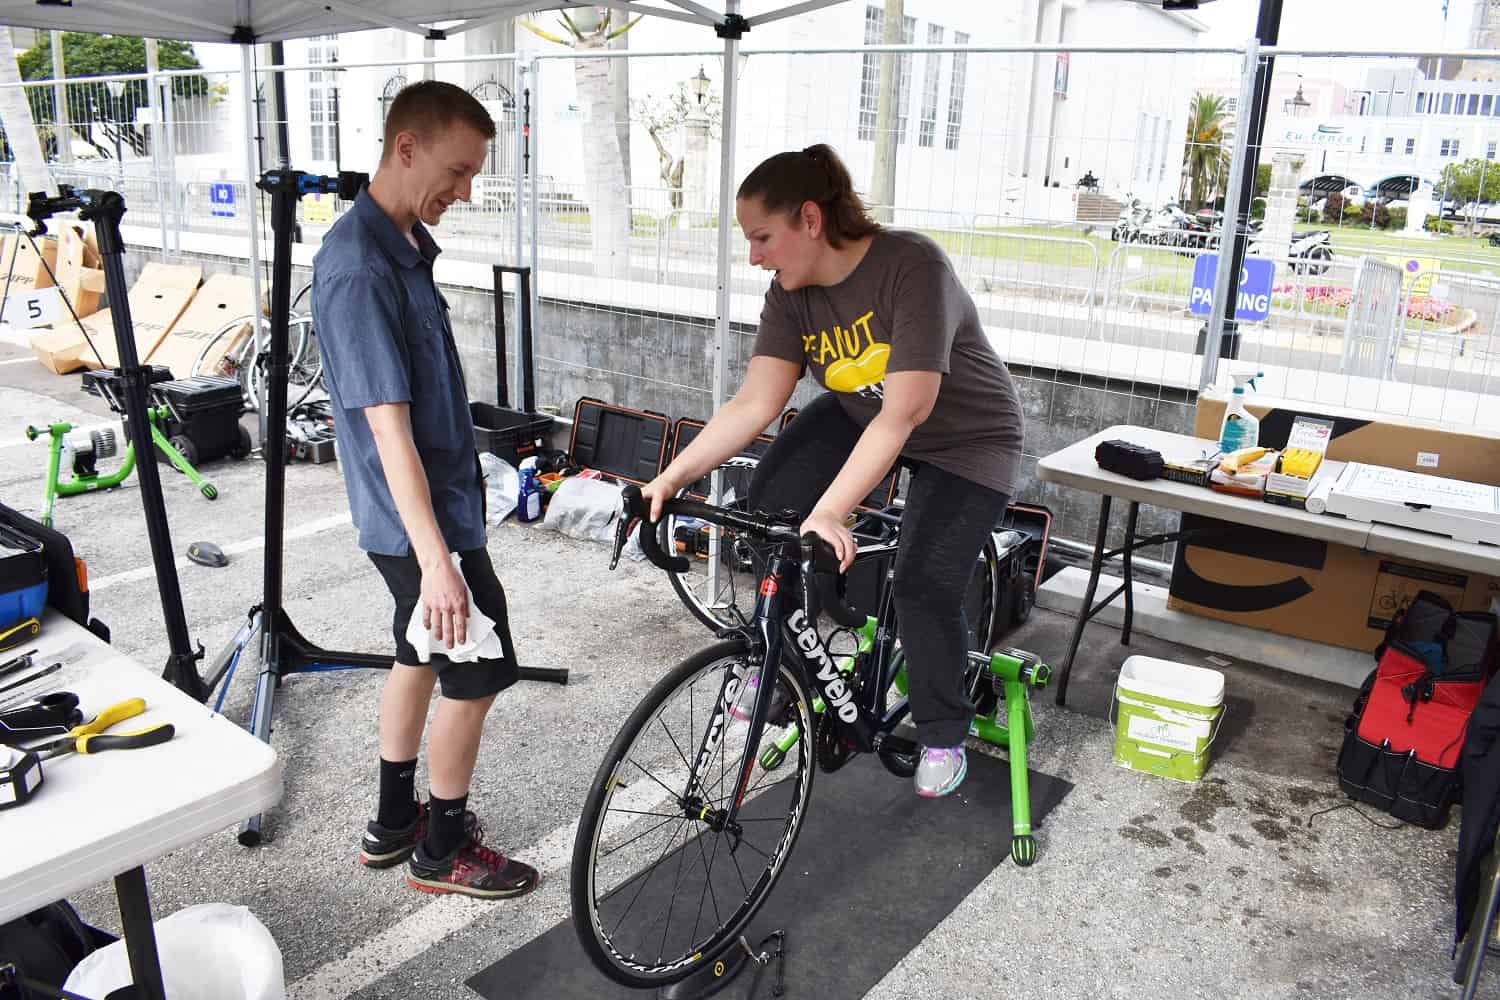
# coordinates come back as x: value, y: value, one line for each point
x: 903, y: 309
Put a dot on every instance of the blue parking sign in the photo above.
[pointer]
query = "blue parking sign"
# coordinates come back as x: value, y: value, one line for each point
x: 221, y: 199
x: 1252, y: 300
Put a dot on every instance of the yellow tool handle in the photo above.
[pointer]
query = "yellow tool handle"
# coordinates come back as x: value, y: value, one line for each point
x: 148, y: 737
x: 118, y: 712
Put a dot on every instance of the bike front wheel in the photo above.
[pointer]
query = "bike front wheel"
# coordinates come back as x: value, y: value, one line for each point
x: 661, y: 883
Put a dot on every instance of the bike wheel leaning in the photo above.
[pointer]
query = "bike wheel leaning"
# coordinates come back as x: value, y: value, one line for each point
x: 659, y: 886
x: 719, y: 596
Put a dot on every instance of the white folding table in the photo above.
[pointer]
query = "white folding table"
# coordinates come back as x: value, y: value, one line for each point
x: 1075, y: 466
x: 106, y: 815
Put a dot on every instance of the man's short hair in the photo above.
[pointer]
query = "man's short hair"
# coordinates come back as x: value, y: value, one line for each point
x: 429, y: 107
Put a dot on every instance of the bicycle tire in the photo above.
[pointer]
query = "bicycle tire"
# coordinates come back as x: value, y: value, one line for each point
x: 614, y: 953
x: 740, y: 566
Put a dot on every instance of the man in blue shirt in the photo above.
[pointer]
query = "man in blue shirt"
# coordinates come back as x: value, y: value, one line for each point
x: 406, y: 447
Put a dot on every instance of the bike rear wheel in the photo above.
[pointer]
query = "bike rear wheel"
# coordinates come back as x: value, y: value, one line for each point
x: 657, y: 890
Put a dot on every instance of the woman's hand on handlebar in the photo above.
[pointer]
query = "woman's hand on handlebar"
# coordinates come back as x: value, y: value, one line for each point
x: 657, y: 492
x: 832, y: 530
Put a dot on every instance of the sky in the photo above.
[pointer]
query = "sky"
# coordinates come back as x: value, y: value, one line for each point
x: 1343, y: 24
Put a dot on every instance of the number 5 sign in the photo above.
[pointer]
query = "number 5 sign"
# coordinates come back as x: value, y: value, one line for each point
x: 22, y: 311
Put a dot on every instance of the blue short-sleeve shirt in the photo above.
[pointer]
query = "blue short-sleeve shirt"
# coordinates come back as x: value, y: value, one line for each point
x: 384, y: 334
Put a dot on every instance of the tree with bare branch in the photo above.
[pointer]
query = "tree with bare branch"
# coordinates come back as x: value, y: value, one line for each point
x: 591, y: 28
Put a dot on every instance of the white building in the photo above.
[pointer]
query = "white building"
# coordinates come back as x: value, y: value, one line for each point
x: 1399, y: 124
x: 977, y: 134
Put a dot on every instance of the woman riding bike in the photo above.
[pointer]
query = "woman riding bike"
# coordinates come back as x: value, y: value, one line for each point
x: 881, y: 320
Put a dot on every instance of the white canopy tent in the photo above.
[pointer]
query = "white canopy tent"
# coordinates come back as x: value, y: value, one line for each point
x: 250, y: 22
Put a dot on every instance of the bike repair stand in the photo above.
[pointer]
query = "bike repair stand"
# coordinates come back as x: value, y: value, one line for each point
x: 708, y: 981
x: 105, y: 209
x: 284, y: 650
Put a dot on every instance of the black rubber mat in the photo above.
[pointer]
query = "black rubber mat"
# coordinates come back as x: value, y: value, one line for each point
x: 875, y: 868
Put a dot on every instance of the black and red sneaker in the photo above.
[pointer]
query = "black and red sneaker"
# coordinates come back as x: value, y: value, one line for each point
x: 384, y: 847
x: 471, y: 870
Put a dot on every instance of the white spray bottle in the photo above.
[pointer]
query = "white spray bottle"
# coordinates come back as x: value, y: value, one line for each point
x: 1241, y: 429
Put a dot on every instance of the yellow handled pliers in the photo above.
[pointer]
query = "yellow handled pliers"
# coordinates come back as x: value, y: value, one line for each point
x: 92, y: 738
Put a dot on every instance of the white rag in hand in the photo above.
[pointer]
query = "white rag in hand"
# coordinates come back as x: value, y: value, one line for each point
x: 480, y: 642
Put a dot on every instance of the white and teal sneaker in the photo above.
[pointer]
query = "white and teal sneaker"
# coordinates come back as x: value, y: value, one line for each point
x: 940, y: 771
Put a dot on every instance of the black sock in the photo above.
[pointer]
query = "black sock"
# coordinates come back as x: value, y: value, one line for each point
x: 445, y: 825
x: 398, y: 794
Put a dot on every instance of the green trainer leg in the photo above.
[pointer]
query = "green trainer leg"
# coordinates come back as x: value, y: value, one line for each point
x: 178, y: 462
x: 55, y: 433
x: 1023, y: 844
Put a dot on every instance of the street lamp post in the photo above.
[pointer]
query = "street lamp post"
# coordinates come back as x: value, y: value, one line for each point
x: 117, y: 91
x: 700, y: 85
x: 695, y: 172
x: 1296, y: 104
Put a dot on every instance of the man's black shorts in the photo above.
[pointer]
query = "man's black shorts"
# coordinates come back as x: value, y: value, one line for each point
x: 459, y: 681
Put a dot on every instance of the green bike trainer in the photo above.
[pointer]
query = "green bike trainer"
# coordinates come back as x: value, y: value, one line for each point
x: 1012, y: 673
x: 87, y: 446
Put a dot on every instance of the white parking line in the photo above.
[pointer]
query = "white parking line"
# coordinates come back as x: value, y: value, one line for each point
x: 235, y: 548
x: 16, y: 361
x: 405, y: 940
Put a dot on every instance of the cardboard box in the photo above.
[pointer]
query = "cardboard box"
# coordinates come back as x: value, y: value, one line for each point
x: 23, y: 267
x: 1310, y: 436
x: 64, y: 350
x: 79, y: 276
x: 1314, y: 590
x: 1375, y: 439
x: 1301, y: 587
x: 222, y: 299
x: 157, y: 299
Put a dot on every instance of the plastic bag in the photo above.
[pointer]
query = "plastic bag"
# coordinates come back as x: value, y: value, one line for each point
x: 502, y: 487
x: 213, y: 951
x: 585, y: 509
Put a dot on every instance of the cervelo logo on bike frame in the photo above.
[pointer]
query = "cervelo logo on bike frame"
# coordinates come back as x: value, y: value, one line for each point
x: 835, y: 692
x: 732, y: 687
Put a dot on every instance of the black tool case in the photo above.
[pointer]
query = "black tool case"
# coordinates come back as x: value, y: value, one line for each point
x: 504, y: 432
x: 618, y: 441
x: 683, y: 433
x: 205, y: 410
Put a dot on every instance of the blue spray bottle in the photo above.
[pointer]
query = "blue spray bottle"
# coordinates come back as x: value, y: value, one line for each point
x: 529, y: 505
x: 1241, y: 428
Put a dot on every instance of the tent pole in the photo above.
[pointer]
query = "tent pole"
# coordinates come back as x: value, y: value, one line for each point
x: 252, y: 177
x: 726, y: 212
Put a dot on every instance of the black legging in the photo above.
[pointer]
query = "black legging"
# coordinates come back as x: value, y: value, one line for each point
x: 943, y: 529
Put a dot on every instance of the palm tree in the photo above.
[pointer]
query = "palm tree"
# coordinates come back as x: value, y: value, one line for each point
x: 603, y: 162
x: 1206, y: 156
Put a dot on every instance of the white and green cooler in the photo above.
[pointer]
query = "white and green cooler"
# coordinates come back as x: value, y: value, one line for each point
x: 1168, y: 716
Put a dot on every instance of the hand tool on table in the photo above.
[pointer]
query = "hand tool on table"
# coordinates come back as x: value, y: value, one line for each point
x: 45, y: 671
x: 19, y: 692
x: 92, y: 738
x: 16, y: 663
x: 17, y: 634
x: 50, y: 715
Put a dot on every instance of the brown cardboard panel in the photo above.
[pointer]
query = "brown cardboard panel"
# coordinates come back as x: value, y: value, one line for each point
x: 222, y: 299
x: 1376, y: 439
x: 64, y: 349
x: 1299, y: 587
x: 157, y: 299
x: 82, y: 283
x: 23, y: 267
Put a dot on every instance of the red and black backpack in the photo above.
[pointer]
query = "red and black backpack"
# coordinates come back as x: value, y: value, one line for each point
x: 1403, y: 739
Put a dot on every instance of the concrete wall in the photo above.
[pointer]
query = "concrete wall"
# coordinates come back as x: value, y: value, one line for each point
x: 662, y: 362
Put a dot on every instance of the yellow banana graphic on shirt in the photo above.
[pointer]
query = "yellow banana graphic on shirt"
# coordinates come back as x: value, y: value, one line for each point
x: 853, y: 374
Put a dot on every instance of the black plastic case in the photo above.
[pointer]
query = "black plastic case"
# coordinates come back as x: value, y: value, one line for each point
x: 618, y: 441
